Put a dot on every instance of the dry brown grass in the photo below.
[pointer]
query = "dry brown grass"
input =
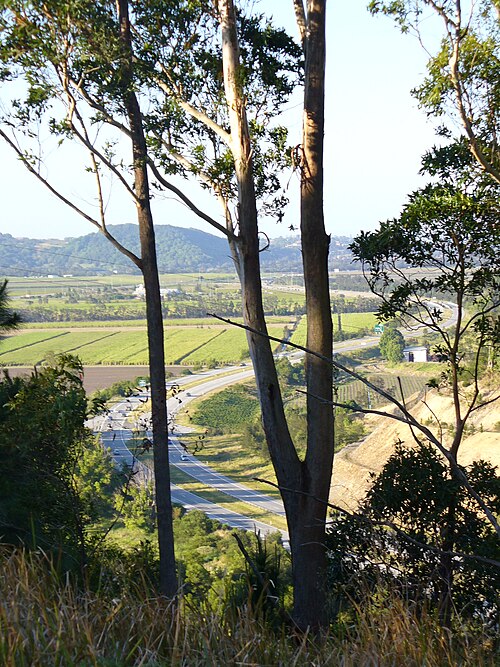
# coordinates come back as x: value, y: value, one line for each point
x: 46, y: 621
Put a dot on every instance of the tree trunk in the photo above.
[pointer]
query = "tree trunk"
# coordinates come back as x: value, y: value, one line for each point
x: 319, y: 376
x: 168, y: 579
x: 299, y: 481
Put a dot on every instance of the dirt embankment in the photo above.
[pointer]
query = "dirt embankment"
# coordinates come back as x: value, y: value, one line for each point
x: 353, y: 464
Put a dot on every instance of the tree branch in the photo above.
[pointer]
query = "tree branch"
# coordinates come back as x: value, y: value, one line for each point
x: 193, y: 111
x: 204, y: 216
x: 136, y: 260
x: 388, y: 524
x: 461, y: 476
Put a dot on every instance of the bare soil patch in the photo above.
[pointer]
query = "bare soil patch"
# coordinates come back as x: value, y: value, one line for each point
x: 100, y: 377
x: 354, y: 463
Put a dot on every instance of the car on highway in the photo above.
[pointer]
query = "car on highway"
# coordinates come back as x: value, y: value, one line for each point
x: 184, y: 457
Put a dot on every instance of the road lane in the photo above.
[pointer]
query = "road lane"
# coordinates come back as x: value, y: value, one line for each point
x: 115, y: 434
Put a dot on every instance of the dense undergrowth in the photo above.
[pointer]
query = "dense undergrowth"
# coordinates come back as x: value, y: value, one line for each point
x: 47, y: 620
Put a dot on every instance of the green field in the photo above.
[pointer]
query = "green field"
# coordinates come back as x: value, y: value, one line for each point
x: 358, y: 392
x: 183, y: 345
x: 230, y: 346
x: 40, y: 285
x: 169, y: 322
x: 352, y: 323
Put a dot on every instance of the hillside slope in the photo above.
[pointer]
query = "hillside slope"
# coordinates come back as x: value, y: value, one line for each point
x: 179, y: 249
x: 354, y: 463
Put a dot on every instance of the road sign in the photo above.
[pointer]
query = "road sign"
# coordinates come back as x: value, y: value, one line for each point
x: 379, y: 328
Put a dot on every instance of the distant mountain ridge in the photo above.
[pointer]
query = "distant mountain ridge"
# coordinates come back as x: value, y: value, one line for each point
x: 179, y: 250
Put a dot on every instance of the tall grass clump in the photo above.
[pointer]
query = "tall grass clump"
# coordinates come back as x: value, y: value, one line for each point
x: 45, y: 619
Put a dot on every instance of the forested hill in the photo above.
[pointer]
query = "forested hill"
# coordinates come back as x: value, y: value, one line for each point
x: 179, y: 250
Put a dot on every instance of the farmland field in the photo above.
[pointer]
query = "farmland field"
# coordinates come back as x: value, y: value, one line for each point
x: 183, y: 345
x: 13, y: 343
x: 138, y: 324
x: 25, y: 352
x: 356, y: 391
x: 230, y: 346
x: 351, y: 323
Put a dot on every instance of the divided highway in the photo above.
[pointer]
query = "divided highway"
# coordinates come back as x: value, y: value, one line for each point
x: 115, y: 435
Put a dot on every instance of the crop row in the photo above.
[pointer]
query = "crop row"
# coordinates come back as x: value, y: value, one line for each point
x: 229, y: 347
x: 187, y: 345
x: 358, y: 392
x: 137, y: 324
x: 13, y: 343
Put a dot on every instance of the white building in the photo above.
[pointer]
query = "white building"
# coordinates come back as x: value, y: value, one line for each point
x: 415, y: 353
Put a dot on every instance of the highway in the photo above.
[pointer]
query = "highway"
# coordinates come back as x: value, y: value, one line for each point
x: 115, y: 435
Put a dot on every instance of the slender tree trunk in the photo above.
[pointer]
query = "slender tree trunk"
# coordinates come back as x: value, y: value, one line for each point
x: 300, y: 480
x: 168, y: 579
x: 446, y: 569
x: 315, y: 248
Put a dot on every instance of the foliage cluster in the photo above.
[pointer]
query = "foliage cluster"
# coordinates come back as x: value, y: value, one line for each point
x: 402, y: 537
x: 391, y: 345
x: 228, y: 410
x: 57, y: 479
x: 62, y: 493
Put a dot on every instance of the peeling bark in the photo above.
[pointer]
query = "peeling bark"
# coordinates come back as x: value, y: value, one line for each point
x: 304, y: 482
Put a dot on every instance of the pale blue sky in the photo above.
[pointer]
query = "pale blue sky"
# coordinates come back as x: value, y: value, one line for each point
x: 374, y: 135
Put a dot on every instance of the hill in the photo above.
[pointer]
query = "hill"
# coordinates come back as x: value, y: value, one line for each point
x: 354, y: 463
x: 180, y: 250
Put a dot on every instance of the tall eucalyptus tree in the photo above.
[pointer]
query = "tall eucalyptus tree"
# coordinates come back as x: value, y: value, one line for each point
x: 215, y: 77
x: 67, y: 55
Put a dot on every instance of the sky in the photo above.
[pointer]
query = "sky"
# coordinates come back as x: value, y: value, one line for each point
x: 374, y: 138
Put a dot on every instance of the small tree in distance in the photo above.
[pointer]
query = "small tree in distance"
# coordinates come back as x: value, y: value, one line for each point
x: 391, y: 345
x: 9, y: 319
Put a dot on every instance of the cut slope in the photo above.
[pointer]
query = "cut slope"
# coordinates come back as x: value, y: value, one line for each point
x: 354, y: 463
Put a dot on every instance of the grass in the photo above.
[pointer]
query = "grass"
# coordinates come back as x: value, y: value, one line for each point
x: 47, y: 620
x: 227, y: 410
x: 141, y: 323
x: 230, y: 456
x: 227, y: 455
x: 29, y: 353
x: 226, y: 346
x: 88, y: 324
x: 211, y: 494
x: 183, y: 345
x: 12, y: 344
x: 351, y: 323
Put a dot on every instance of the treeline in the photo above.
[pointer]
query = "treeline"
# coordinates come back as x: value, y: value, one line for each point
x: 94, y: 313
x: 179, y: 250
x: 181, y: 305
